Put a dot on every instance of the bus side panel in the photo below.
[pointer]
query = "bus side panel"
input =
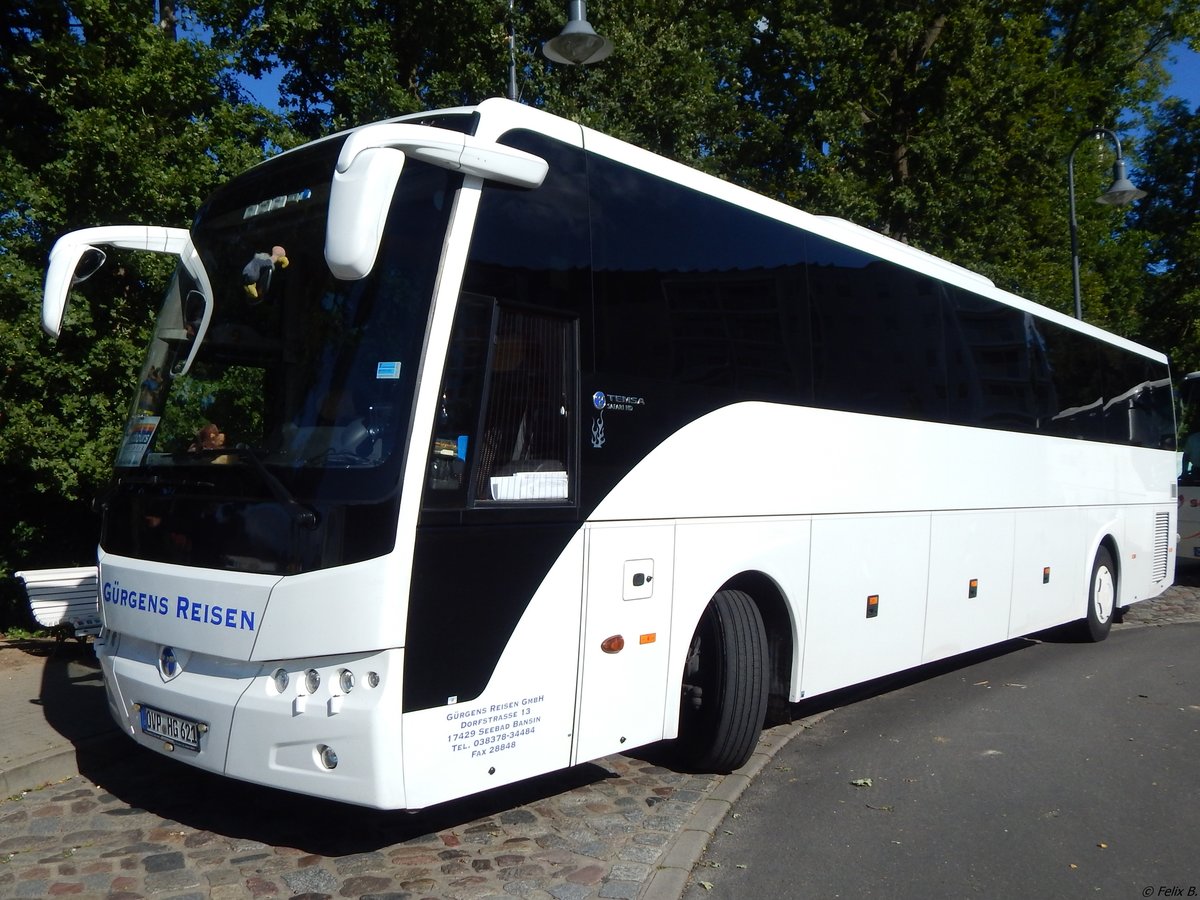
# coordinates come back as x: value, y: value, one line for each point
x: 710, y: 553
x: 629, y: 593
x: 522, y: 724
x: 970, y: 582
x: 1048, y: 576
x: 1145, y: 539
x: 866, y: 600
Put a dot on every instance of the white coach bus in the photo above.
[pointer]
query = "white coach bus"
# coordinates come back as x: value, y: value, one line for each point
x: 477, y: 444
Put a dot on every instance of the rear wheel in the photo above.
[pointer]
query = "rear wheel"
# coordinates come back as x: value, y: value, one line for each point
x: 724, y: 700
x: 1102, y: 598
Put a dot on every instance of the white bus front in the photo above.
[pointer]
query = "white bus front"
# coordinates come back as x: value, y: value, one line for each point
x: 251, y: 586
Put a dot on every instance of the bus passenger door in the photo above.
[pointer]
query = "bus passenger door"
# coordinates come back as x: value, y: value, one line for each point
x: 627, y: 620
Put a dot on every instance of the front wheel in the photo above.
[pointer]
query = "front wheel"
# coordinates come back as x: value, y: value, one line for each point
x: 1102, y: 598
x: 724, y: 699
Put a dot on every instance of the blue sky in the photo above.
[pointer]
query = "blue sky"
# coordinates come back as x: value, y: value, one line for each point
x: 1185, y: 74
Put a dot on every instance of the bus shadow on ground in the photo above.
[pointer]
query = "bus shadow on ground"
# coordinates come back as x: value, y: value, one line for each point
x: 662, y: 753
x: 144, y: 781
x: 888, y: 683
x: 1187, y: 572
x: 71, y: 693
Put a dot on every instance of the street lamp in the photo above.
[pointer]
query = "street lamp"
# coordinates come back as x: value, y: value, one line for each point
x: 578, y: 44
x: 1121, y: 192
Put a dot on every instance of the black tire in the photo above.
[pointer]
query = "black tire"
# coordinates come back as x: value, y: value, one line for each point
x: 1102, y: 598
x: 724, y: 700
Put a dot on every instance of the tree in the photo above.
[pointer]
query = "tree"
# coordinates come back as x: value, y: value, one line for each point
x: 347, y: 62
x: 1168, y: 221
x: 948, y: 124
x: 107, y: 120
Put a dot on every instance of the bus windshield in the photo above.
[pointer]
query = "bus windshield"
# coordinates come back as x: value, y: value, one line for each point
x: 300, y: 389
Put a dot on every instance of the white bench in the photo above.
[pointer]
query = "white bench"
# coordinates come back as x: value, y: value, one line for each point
x: 66, y: 601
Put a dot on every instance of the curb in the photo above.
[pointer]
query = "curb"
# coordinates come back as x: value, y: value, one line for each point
x: 684, y: 851
x: 59, y: 765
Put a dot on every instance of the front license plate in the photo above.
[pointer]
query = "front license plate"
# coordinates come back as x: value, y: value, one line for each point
x: 173, y: 729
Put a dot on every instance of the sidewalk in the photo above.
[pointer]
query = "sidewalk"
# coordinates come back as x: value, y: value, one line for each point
x: 56, y: 721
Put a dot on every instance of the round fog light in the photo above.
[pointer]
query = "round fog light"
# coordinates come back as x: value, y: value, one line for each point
x: 281, y: 679
x: 327, y: 756
x: 312, y: 680
x: 346, y: 680
x: 373, y: 679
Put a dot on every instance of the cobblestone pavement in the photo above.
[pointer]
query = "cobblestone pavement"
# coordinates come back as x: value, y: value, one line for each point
x: 1180, y: 603
x: 624, y: 827
x: 164, y: 830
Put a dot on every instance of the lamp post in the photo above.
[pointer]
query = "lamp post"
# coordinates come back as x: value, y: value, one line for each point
x: 1121, y: 192
x: 512, y: 55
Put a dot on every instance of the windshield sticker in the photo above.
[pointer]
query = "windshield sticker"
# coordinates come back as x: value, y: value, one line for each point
x: 137, y: 440
x: 151, y: 392
x: 387, y: 370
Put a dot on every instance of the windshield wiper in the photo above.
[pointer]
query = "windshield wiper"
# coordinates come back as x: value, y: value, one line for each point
x: 301, y: 514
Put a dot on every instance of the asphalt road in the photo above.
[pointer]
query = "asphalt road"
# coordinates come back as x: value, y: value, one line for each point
x: 1033, y: 770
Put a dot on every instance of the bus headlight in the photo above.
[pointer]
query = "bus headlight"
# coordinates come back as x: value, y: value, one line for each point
x: 312, y: 680
x: 346, y: 681
x: 281, y: 679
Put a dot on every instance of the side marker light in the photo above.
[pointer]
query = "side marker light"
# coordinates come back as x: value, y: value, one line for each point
x: 614, y: 644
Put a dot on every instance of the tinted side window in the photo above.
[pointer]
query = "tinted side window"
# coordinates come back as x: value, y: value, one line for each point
x: 505, y: 426
x: 1074, y: 404
x: 694, y: 290
x: 525, y: 438
x: 1137, y: 400
x: 994, y: 378
x: 531, y: 246
x: 877, y: 335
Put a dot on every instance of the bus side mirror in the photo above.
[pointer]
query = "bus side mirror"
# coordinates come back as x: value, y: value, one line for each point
x: 74, y: 259
x: 70, y: 264
x: 359, y: 200
x: 368, y: 168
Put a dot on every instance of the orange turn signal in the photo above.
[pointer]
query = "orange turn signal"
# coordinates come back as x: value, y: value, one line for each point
x: 614, y: 644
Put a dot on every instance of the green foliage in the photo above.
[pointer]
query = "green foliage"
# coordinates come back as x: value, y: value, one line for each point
x: 107, y: 120
x: 1168, y: 222
x: 16, y: 619
x: 948, y: 125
